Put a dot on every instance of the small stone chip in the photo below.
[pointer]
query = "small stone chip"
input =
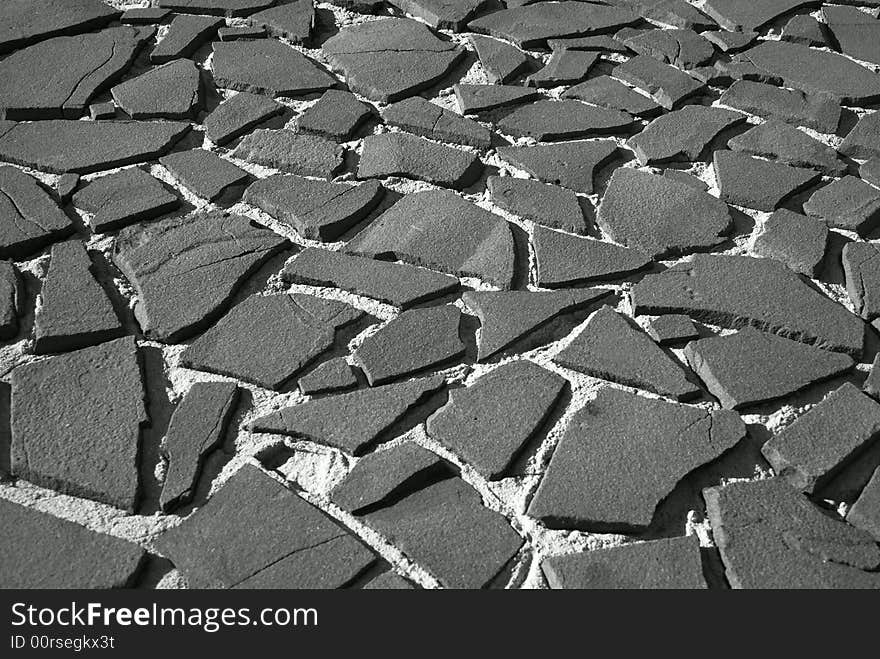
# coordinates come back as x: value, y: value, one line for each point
x: 565, y: 67
x: 416, y: 340
x: 10, y: 291
x: 171, y: 91
x: 607, y: 92
x: 779, y: 141
x: 197, y: 427
x: 683, y: 134
x: 490, y: 422
x: 255, y: 533
x: 74, y: 311
x: 847, y: 203
x: 861, y: 265
x: 816, y: 111
x: 545, y: 204
x: 421, y: 117
x: 611, y: 348
x: 442, y: 14
x: 666, y: 84
x: 548, y: 121
x: 66, y: 186
x: 267, y: 66
x: 670, y: 563
x: 730, y: 42
x: 236, y: 33
x: 368, y: 415
x: 393, y: 283
x: 44, y: 551
x: 501, y: 61
x: 400, y: 154
x: 796, y: 240
x: 144, y: 15
x: 644, y: 211
x: 237, y: 115
x: 124, y: 197
x: 438, y: 229
x: 806, y: 30
x: 284, y: 150
x: 684, y: 49
x: 863, y: 141
x: 293, y: 21
x: 610, y: 442
x: 53, y: 437
x: 332, y: 376
x: 865, y: 512
x: 269, y: 339
x: 473, y: 99
x: 751, y: 367
x: 31, y: 218
x: 738, y: 291
x: 106, y: 110
x: 672, y: 329
x: 759, y: 184
x: 336, y: 116
x: 206, y: 174
x: 184, y: 37
x: 822, y: 442
x: 572, y: 165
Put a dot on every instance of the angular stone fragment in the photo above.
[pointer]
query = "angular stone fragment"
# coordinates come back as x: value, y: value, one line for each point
x: 74, y: 311
x: 686, y: 178
x: 508, y: 316
x: 144, y: 15
x: 440, y: 230
x: 741, y: 15
x: 731, y: 42
x: 861, y: 265
x: 316, y: 209
x: 27, y: 21
x: 29, y: 217
x: 255, y: 533
x: 184, y: 37
x: 677, y: 13
x: 9, y: 300
x: 171, y: 91
x: 857, y: 33
x: 284, y: 150
x: 666, y: 84
x: 572, y: 165
x: 58, y: 77
x: 608, y: 92
x: 566, y: 260
x: 216, y: 7
x: 661, y: 216
x: 268, y: 339
x: 488, y: 423
x: 599, y: 42
x: 390, y: 59
x: 393, y: 283
x: 206, y: 174
x: 760, y: 184
x: 293, y: 21
x: 334, y: 375
x: 419, y: 116
x: 683, y: 134
x: 383, y: 476
x: 863, y: 141
x: 236, y: 33
x: 197, y: 427
x: 865, y: 512
x: 389, y: 581
x: 66, y: 186
x: 816, y: 111
x: 870, y: 172
x: 770, y: 536
x: 779, y: 141
x: 611, y: 348
x: 185, y: 270
x: 671, y: 563
x: 871, y: 385
x: 352, y: 422
x: 672, y: 329
x: 565, y: 67
x: 738, y: 291
x: 473, y: 99
x: 105, y: 110
x: 847, y: 203
x: 336, y: 116
x: 545, y: 204
x: 804, y: 29
x: 441, y: 14
x: 752, y: 367
x: 124, y: 197
x: 816, y: 71
x: 796, y: 240
x: 54, y: 436
x: 561, y: 120
x: 43, y: 551
x: 610, y: 442
x: 399, y: 154
x: 237, y: 115
x: 416, y: 340
x: 682, y: 48
x: 501, y: 61
x: 446, y: 529
x: 83, y: 147
x: 532, y: 25
x: 269, y: 67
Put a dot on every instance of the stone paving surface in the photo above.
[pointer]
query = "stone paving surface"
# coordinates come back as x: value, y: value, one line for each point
x: 439, y: 294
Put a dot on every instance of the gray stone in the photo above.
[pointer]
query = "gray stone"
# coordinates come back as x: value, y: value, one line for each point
x: 796, y: 240
x: 269, y: 67
x: 144, y: 15
x: 501, y: 61
x: 216, y: 7
x: 419, y: 116
x: 806, y: 30
x: 105, y: 110
x: 171, y: 91
x: 545, y: 204
x: 677, y: 13
x: 549, y: 120
x: 389, y: 581
x: 608, y: 92
x: 666, y: 84
x: 293, y: 21
x: 66, y: 186
x: 238, y: 115
x: 597, y: 479
x: 599, y: 42
x: 683, y: 134
x: 565, y: 67
x: 10, y: 292
x: 184, y: 37
x: 294, y: 153
x: 206, y: 174
x: 572, y: 165
x: 856, y: 32
x: 779, y: 141
x: 871, y: 385
x: 865, y: 512
x: 742, y: 15
x: 442, y: 14
x: 28, y: 21
x: 236, y: 33
x: 672, y: 329
x: 861, y: 266
x: 863, y: 141
x: 759, y: 184
x: 816, y: 111
x: 682, y: 48
x: 731, y: 42
x: 473, y: 99
x: 400, y: 154
x: 686, y: 178
x: 869, y: 171
x: 124, y: 197
x: 332, y: 376
x: 847, y: 203
x: 30, y: 217
x: 336, y: 116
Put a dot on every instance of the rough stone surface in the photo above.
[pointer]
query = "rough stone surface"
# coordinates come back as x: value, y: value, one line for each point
x: 206, y: 174
x: 30, y: 217
x: 681, y: 48
x: 216, y: 7
x: 759, y: 184
x: 565, y: 67
x: 857, y: 33
x: 473, y: 99
x: 269, y: 67
x: 607, y: 92
x: 862, y: 140
x: 572, y: 165
x: 861, y: 265
x: 336, y: 116
x: 816, y: 111
x: 847, y: 203
x: 779, y: 141
x: 28, y: 21
x: 284, y: 150
x: 796, y: 240
x: 445, y: 14
x: 238, y: 115
x: 865, y: 512
x: 677, y: 13
x: 172, y: 91
x: 124, y: 197
x: 293, y: 21
x: 804, y: 29
x: 545, y: 204
x: 666, y: 84
x: 185, y: 270
x: 10, y: 291
x: 672, y: 329
x: 740, y: 15
x: 399, y: 154
x: 548, y: 121
x: 609, y: 442
x: 421, y: 117
x: 332, y: 376
x: 683, y: 134
x: 501, y: 61
x: 185, y: 34
x: 53, y: 441
x: 738, y: 291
